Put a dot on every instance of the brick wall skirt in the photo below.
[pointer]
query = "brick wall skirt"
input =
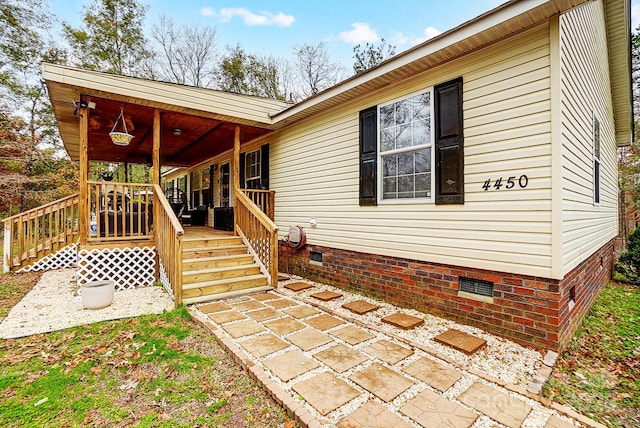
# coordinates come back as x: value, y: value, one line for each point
x: 530, y: 310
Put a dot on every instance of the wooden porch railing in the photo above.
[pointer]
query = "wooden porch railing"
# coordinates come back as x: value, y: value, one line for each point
x: 120, y: 211
x: 169, y: 234
x: 264, y: 199
x: 33, y: 234
x: 260, y: 234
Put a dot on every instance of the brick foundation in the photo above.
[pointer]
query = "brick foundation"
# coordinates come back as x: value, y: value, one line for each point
x: 530, y: 310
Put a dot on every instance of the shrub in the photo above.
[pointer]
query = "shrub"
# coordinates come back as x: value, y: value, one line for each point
x: 629, y: 264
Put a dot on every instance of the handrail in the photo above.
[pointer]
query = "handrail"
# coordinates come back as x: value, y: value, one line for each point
x: 264, y: 199
x: 168, y: 236
x: 40, y: 231
x: 259, y: 233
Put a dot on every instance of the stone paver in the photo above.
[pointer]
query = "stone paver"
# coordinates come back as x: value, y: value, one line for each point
x: 325, y: 296
x: 372, y: 415
x: 387, y: 351
x: 283, y: 277
x: 284, y: 325
x: 300, y: 311
x: 263, y: 345
x: 265, y: 296
x: 403, y: 321
x: 381, y: 381
x: 461, y: 341
x: 433, y: 373
x: 280, y: 303
x: 214, y: 307
x: 324, y: 322
x: 431, y: 410
x: 325, y: 392
x: 298, y: 286
x: 289, y: 365
x: 341, y: 358
x: 247, y: 305
x: 309, y: 339
x: 264, y: 314
x: 556, y: 422
x: 497, y: 405
x: 226, y: 316
x: 352, y: 335
x: 243, y: 328
x: 360, y: 307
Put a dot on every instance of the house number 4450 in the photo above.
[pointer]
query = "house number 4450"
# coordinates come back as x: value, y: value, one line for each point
x: 509, y: 183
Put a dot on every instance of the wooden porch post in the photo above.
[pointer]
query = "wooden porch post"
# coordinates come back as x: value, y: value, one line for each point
x: 236, y: 158
x: 156, y: 147
x: 83, y: 207
x: 236, y: 172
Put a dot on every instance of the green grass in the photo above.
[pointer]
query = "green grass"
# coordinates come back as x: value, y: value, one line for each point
x: 598, y: 373
x: 151, y: 371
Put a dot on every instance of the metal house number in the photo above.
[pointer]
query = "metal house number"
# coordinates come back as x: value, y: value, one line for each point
x: 510, y: 183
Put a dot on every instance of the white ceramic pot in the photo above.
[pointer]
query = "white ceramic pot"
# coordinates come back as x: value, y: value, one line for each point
x: 97, y: 294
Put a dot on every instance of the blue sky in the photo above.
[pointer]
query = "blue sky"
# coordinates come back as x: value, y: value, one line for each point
x: 274, y: 27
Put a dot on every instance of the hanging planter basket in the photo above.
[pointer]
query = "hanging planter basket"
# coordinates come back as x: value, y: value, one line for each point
x: 120, y: 138
x: 117, y: 137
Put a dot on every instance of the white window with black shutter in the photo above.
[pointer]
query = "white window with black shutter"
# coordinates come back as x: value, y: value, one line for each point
x: 254, y: 169
x: 411, y: 149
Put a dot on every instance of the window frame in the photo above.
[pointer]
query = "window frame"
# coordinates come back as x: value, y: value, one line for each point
x: 257, y: 164
x: 596, y: 142
x: 430, y: 145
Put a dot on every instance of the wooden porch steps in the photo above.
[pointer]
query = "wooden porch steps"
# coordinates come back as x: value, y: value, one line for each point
x: 218, y: 267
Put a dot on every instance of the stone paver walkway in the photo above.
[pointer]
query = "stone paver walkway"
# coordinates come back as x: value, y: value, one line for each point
x: 329, y: 370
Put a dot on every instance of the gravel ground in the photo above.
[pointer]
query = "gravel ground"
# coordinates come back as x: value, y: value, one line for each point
x: 54, y: 304
x: 501, y: 358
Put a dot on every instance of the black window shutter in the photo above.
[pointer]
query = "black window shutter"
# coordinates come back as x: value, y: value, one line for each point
x: 264, y: 167
x: 449, y: 143
x: 368, y: 156
x: 242, y: 185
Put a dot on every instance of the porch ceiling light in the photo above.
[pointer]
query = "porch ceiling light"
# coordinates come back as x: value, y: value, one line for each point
x: 117, y: 137
x: 176, y: 131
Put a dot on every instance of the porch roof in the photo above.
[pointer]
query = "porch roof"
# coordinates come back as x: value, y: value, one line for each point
x: 206, y: 117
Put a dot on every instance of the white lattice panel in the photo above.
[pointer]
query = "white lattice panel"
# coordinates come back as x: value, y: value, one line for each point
x: 127, y: 267
x: 164, y: 280
x: 64, y: 258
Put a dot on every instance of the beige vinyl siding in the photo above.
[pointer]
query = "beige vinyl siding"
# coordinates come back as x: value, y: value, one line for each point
x: 586, y: 89
x: 506, y: 92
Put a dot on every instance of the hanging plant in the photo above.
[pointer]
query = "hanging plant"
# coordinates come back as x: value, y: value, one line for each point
x: 120, y: 138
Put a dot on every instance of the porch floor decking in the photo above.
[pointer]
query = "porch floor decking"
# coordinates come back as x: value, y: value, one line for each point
x: 204, y: 232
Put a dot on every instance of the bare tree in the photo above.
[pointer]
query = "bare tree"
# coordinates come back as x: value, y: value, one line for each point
x: 315, y: 68
x: 369, y: 56
x: 187, y: 53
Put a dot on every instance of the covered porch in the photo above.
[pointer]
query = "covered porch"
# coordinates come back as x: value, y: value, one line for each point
x: 172, y: 127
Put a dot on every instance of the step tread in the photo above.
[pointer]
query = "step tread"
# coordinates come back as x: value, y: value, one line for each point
x: 224, y: 295
x: 222, y: 281
x: 216, y: 258
x: 220, y: 269
x: 213, y: 248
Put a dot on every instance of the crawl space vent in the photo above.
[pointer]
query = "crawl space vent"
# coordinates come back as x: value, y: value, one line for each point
x: 315, y: 256
x: 476, y: 286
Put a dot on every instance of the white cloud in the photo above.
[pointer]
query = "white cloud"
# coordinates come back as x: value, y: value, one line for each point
x: 431, y: 32
x: 361, y: 33
x: 635, y: 16
x: 250, y: 18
